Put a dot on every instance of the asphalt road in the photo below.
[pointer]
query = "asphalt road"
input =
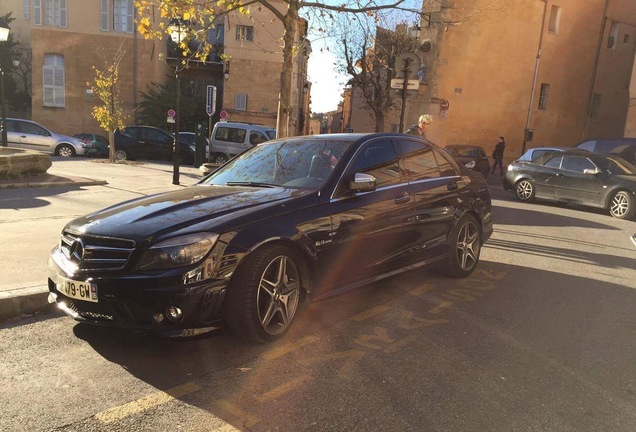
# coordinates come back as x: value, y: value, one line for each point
x: 540, y: 337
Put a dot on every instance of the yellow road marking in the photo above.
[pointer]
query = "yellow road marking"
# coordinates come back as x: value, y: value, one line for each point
x: 142, y: 404
x: 288, y: 347
x: 284, y: 388
x: 370, y: 313
x: 422, y: 289
x: 247, y: 419
x: 381, y: 334
x: 440, y: 307
x: 350, y: 356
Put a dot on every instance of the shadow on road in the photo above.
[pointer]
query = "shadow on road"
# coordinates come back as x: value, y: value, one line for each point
x: 414, y: 349
x: 25, y: 198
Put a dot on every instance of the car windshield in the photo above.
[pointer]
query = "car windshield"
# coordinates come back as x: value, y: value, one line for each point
x: 615, y: 166
x: 294, y: 163
x: 461, y: 151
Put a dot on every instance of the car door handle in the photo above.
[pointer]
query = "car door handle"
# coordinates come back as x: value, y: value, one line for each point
x: 452, y: 185
x: 142, y: 142
x: 404, y: 197
x: 22, y: 136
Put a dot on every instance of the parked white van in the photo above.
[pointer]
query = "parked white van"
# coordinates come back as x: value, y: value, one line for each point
x: 229, y: 139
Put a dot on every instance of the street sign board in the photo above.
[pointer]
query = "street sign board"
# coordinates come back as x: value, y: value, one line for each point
x: 444, y: 104
x: 398, y: 83
x: 210, y: 102
x: 170, y: 120
x: 223, y: 115
x: 171, y: 113
x: 397, y: 94
x: 407, y: 64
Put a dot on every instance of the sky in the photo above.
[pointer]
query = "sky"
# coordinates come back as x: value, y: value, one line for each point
x: 326, y: 82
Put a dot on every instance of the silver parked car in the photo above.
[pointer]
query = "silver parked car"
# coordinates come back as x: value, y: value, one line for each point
x: 30, y: 135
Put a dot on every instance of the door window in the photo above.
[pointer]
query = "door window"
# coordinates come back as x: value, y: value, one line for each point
x: 577, y: 164
x: 378, y: 159
x: 156, y: 135
x: 422, y: 161
x: 257, y: 138
x: 555, y: 162
x: 34, y: 129
x: 235, y: 135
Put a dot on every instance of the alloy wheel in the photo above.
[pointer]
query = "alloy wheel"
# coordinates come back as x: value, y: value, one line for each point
x: 278, y: 294
x: 65, y: 151
x: 525, y: 190
x: 468, y: 245
x: 620, y: 206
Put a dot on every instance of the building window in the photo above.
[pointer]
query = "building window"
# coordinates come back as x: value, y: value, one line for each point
x: 240, y: 102
x: 26, y: 9
x: 613, y: 36
x: 244, y: 33
x: 55, y: 13
x: 53, y: 80
x: 626, y: 38
x: 543, y: 96
x: 555, y: 17
x: 123, y: 16
x: 595, y: 106
x: 37, y: 12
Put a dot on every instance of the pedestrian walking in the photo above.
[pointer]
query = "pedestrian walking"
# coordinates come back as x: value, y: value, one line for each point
x: 497, y: 155
x: 419, y: 129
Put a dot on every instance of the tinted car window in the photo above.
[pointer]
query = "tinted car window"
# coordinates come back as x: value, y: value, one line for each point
x: 13, y: 126
x: 271, y: 134
x: 257, y: 138
x: 615, y: 166
x: 555, y: 162
x: 132, y: 132
x: 31, y: 128
x: 378, y: 159
x: 155, y: 135
x: 419, y: 160
x: 577, y: 164
x: 230, y: 134
x: 445, y: 167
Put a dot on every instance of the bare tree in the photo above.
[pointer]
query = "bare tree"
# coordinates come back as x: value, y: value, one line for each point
x: 204, y: 12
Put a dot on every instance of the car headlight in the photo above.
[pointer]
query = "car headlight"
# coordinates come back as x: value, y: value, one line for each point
x: 178, y: 251
x: 471, y: 164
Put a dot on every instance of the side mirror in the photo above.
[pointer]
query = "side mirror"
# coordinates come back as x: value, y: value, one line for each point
x: 363, y: 183
x: 590, y: 171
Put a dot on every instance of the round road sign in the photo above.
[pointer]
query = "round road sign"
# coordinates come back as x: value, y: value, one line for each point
x: 171, y: 113
x: 443, y: 105
x: 223, y: 114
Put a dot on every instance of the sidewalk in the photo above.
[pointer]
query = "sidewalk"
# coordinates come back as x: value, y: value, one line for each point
x: 34, y: 210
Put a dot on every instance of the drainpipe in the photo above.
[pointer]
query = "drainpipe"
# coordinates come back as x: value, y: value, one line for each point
x: 594, y: 71
x: 534, y: 80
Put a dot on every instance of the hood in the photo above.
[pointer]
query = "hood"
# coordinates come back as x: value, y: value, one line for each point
x: 204, y: 206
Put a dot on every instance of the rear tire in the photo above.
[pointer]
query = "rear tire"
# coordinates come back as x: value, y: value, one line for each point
x: 121, y: 155
x: 265, y: 294
x: 65, y: 150
x: 219, y: 158
x: 465, y: 248
x: 524, y: 190
x: 622, y: 205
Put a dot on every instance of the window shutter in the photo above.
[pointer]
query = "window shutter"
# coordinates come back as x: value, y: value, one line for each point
x: 130, y: 22
x: 240, y: 102
x: 37, y: 12
x: 26, y: 9
x: 104, y: 15
x: 63, y: 16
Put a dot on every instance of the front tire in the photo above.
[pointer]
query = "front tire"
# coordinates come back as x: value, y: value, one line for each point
x: 121, y: 155
x: 622, y: 205
x: 264, y: 295
x: 524, y: 190
x: 65, y: 150
x: 465, y: 248
x: 219, y: 158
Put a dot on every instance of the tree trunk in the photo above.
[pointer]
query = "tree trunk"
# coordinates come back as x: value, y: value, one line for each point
x: 285, y: 109
x: 379, y: 121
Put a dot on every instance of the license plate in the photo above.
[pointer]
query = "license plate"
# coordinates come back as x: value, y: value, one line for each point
x: 79, y: 290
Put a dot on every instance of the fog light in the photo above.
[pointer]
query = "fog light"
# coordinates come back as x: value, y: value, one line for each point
x: 174, y: 313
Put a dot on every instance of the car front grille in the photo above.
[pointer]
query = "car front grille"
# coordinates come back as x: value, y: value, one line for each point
x: 96, y: 253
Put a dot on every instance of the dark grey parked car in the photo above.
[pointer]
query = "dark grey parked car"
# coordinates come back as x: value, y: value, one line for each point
x: 591, y: 179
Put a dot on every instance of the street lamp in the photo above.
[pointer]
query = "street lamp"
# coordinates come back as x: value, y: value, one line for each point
x: 177, y: 33
x: 4, y: 36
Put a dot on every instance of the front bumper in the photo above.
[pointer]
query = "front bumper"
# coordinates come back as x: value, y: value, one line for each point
x: 140, y: 301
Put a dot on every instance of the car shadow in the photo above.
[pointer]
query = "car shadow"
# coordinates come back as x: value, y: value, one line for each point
x: 25, y: 198
x: 499, y: 318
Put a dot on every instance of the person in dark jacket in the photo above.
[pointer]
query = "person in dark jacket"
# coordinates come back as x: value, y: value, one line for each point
x: 419, y: 129
x: 497, y: 155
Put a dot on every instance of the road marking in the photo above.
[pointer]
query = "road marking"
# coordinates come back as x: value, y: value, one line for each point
x: 284, y: 388
x: 440, y: 307
x: 288, y: 347
x: 142, y: 404
x: 248, y: 420
x: 370, y: 313
x: 462, y: 295
x: 398, y: 345
x: 351, y: 356
x: 381, y: 334
x: 422, y: 290
x: 407, y: 318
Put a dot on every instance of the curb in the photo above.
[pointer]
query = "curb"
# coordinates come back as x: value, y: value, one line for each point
x: 38, y: 183
x: 16, y: 302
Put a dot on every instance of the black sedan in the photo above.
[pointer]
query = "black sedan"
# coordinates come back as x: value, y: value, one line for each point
x: 473, y: 157
x: 286, y: 221
x: 590, y: 179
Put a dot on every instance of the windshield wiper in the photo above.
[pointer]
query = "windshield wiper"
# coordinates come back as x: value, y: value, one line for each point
x: 249, y: 183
